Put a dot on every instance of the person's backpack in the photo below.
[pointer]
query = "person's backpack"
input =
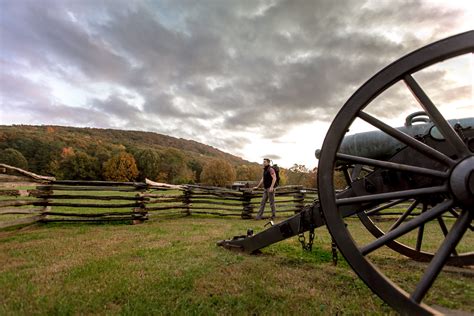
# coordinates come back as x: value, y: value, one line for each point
x: 277, y: 173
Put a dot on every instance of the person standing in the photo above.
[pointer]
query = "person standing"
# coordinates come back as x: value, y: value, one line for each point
x: 268, y: 180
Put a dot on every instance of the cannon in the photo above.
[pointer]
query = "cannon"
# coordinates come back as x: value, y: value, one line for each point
x: 425, y: 167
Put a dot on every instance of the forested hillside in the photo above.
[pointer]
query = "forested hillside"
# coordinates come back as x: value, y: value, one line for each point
x: 118, y: 155
x: 107, y: 154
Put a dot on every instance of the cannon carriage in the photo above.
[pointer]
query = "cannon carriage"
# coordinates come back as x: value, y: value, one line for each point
x: 425, y: 167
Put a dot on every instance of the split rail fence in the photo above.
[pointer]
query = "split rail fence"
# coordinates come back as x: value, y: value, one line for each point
x: 27, y: 198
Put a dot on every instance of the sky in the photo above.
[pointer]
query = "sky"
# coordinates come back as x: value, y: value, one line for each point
x: 252, y: 78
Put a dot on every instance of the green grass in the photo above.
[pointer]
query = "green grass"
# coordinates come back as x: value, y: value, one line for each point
x: 173, y: 266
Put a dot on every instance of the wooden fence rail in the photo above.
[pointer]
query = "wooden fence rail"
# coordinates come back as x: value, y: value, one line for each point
x: 27, y: 198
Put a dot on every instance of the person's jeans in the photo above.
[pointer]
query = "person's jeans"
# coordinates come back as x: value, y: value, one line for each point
x: 267, y: 195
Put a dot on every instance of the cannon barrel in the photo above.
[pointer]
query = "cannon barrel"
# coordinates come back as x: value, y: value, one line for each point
x: 379, y: 145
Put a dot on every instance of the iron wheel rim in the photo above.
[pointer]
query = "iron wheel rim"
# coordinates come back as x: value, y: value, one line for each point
x: 369, y: 273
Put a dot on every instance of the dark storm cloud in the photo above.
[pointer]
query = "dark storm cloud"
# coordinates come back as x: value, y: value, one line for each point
x: 272, y: 157
x: 117, y: 107
x: 43, y: 34
x: 210, y: 68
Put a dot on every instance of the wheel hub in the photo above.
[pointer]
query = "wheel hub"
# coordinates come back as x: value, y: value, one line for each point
x: 462, y: 182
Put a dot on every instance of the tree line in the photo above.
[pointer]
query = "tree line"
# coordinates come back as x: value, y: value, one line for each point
x: 84, y: 157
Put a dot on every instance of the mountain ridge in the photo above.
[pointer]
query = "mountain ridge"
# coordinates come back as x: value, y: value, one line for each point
x: 132, y: 138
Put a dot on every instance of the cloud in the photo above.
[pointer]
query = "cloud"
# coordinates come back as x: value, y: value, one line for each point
x: 45, y: 36
x: 19, y: 89
x: 272, y: 156
x: 206, y: 70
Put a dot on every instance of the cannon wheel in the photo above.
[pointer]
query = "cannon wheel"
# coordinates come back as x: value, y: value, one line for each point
x: 416, y: 252
x: 455, y: 184
x: 371, y: 216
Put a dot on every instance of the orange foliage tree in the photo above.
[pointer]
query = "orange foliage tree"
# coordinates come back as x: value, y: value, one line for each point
x: 301, y: 175
x: 249, y: 172
x: 218, y: 172
x: 121, y: 167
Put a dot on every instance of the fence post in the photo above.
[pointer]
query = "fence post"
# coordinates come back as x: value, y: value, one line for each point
x: 46, y: 207
x: 247, y: 208
x: 42, y: 194
x: 139, y: 213
x: 298, y: 199
x: 187, y: 201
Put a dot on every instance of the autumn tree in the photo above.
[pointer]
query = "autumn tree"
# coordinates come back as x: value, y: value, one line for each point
x: 339, y: 180
x: 173, y: 167
x: 79, y: 166
x: 196, y: 167
x: 257, y: 172
x: 13, y: 158
x: 148, y: 163
x: 310, y: 180
x: 120, y: 167
x: 218, y: 172
x: 37, y: 152
x: 249, y: 172
x: 296, y: 174
x: 243, y: 172
x: 283, y: 177
x: 301, y: 175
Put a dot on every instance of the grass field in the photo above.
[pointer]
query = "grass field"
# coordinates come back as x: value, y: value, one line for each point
x: 172, y: 266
